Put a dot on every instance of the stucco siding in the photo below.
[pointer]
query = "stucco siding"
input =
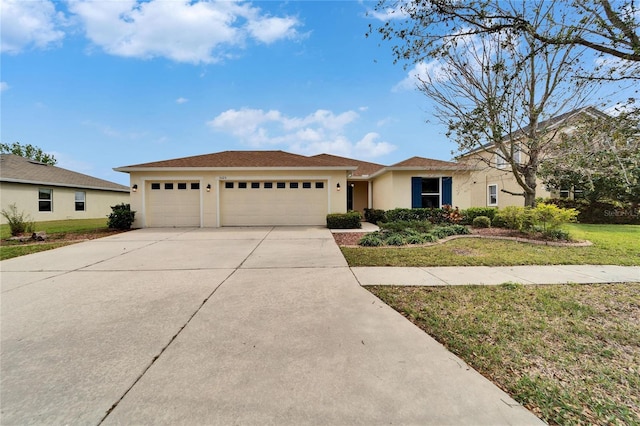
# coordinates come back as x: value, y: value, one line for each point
x: 25, y: 196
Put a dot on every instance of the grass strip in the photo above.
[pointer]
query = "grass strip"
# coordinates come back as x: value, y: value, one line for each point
x: 569, y: 353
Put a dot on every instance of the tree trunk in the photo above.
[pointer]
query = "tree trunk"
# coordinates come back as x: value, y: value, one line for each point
x: 530, y: 176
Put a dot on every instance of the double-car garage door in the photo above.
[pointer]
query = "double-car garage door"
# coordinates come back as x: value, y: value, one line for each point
x: 255, y: 203
x: 242, y: 203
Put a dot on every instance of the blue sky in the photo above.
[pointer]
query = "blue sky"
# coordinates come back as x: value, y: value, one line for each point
x: 102, y: 84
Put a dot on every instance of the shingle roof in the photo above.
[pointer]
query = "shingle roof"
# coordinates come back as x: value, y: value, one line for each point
x: 365, y: 168
x: 429, y: 164
x: 240, y: 159
x: 14, y: 168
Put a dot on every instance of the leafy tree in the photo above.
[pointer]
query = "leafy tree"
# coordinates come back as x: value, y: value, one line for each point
x: 28, y: 151
x: 601, y: 156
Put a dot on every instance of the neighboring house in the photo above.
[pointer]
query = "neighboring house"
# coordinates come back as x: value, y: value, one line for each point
x: 47, y: 192
x: 492, y: 181
x: 251, y: 188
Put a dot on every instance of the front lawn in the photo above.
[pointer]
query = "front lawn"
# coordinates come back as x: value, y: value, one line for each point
x: 569, y: 353
x: 612, y: 245
x: 59, y: 233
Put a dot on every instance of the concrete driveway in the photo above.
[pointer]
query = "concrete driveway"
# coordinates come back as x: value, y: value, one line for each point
x: 221, y: 326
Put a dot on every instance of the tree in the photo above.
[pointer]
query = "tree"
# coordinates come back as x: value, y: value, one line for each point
x: 496, y: 91
x: 609, y: 29
x: 601, y: 157
x: 28, y: 151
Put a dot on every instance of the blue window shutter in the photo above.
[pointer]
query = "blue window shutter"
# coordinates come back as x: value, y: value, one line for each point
x: 416, y: 192
x: 447, y: 190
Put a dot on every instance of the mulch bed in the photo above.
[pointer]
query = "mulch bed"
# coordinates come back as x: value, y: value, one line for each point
x: 63, y: 237
x: 352, y: 238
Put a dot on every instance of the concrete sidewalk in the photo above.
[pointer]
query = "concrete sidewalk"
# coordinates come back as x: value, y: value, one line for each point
x: 486, y: 275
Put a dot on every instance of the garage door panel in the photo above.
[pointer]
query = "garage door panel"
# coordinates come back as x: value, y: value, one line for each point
x: 173, y: 207
x: 273, y: 206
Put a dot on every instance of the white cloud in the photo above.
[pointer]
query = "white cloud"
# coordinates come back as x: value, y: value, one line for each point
x: 318, y: 132
x: 182, y: 100
x: 182, y: 31
x: 420, y: 72
x: 26, y: 24
x: 4, y: 86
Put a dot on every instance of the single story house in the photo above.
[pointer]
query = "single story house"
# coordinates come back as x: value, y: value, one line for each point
x: 253, y: 188
x: 46, y: 192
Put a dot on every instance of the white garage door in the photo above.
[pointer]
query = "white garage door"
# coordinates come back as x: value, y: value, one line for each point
x: 173, y: 204
x: 245, y: 203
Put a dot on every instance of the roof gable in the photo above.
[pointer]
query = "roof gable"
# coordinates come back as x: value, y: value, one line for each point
x: 422, y: 163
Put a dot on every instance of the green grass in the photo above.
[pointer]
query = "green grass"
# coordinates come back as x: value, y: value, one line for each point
x: 57, y: 231
x: 569, y: 353
x: 612, y: 245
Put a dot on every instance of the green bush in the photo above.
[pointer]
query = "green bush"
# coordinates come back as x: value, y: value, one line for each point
x: 498, y: 221
x: 557, y: 235
x: 121, y: 217
x: 350, y: 220
x: 516, y: 218
x: 395, y: 240
x: 416, y: 239
x: 407, y: 226
x: 445, y: 215
x: 447, y: 231
x: 599, y: 212
x: 481, y: 222
x: 550, y: 217
x: 472, y: 212
x: 375, y: 216
x: 371, y: 240
x: 19, y: 222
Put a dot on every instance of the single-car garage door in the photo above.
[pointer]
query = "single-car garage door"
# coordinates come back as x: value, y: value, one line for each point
x: 246, y: 203
x: 173, y: 204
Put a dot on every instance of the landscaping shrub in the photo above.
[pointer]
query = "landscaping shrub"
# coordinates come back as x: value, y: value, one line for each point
x: 550, y: 217
x: 472, y: 212
x: 516, y: 218
x: 557, y: 235
x: 19, y: 222
x: 395, y: 240
x: 416, y: 239
x: 121, y: 217
x: 498, y: 221
x: 447, y: 231
x: 481, y: 222
x: 371, y: 240
x: 407, y: 226
x: 445, y: 215
x: 599, y: 212
x: 375, y: 216
x: 350, y: 220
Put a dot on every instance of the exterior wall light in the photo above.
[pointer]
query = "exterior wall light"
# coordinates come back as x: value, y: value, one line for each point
x: 208, y: 187
x: 338, y: 186
x: 134, y: 188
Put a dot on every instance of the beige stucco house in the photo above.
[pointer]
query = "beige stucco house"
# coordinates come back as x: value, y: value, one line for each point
x: 252, y: 188
x: 46, y: 192
x: 492, y: 182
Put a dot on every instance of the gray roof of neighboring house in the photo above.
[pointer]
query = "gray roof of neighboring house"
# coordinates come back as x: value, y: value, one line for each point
x: 14, y: 168
x: 545, y: 124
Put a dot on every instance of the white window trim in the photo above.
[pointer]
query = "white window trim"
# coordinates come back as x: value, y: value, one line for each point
x: 439, y: 193
x: 83, y: 201
x: 50, y: 200
x: 489, y: 204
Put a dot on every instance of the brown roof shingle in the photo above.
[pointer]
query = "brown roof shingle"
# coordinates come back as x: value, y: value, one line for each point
x: 365, y: 168
x: 429, y: 164
x: 240, y: 159
x: 14, y: 168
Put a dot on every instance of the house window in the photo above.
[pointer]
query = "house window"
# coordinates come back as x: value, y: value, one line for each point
x: 492, y: 195
x: 168, y: 186
x: 228, y: 185
x: 45, y: 200
x: 182, y: 185
x: 280, y: 185
x: 80, y: 201
x: 578, y: 194
x: 293, y: 185
x: 564, y: 192
x: 195, y: 185
x: 501, y: 163
x: 155, y: 186
x: 319, y: 185
x: 306, y: 185
x: 268, y: 185
x: 242, y: 185
x: 430, y: 192
x: 255, y: 185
